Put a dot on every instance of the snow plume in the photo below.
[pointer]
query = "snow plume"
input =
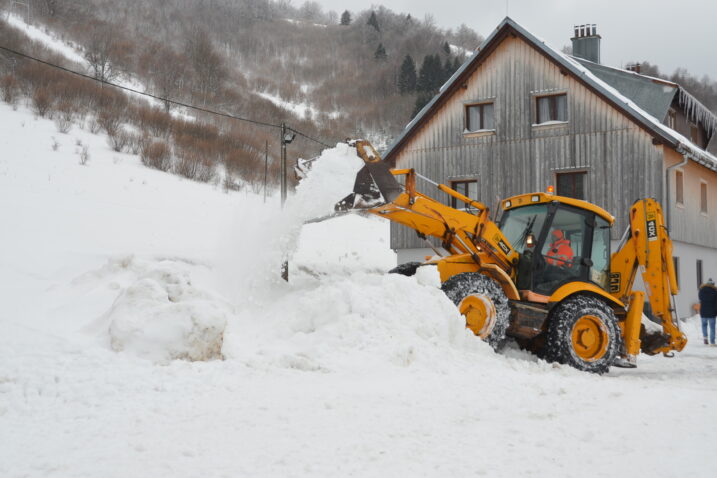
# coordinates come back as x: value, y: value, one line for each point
x: 269, y: 234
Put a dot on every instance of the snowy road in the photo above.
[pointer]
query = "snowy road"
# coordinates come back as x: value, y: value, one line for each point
x: 344, y: 371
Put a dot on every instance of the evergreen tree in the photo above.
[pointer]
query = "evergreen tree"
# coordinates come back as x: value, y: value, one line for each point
x: 448, y: 69
x: 456, y: 64
x: 380, y: 53
x: 407, y: 76
x: 446, y: 48
x: 421, y: 100
x: 346, y: 18
x: 430, y: 77
x: 373, y: 21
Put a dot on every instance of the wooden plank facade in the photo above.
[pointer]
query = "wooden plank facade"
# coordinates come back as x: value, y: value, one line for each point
x: 620, y: 158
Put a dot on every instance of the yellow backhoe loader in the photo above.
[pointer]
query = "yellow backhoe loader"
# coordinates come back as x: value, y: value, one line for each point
x: 544, y: 274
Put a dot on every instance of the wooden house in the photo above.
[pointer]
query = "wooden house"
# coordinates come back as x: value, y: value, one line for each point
x: 519, y: 116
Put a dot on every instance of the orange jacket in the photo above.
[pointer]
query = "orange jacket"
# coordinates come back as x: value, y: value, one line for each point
x: 560, y: 252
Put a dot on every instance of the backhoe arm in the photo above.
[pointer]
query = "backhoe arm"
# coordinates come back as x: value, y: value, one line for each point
x: 460, y: 232
x: 648, y: 248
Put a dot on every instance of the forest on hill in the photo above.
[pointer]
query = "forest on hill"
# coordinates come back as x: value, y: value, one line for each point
x: 326, y: 74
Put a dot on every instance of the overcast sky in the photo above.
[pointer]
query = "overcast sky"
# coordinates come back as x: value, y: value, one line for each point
x: 670, y: 34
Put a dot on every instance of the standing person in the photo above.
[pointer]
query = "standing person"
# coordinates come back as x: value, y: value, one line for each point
x: 708, y: 309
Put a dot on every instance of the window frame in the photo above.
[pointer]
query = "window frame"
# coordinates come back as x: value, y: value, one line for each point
x: 558, y: 173
x: 704, y: 197
x: 452, y: 182
x: 553, y: 95
x: 672, y: 119
x: 700, y: 271
x: 466, y: 117
x: 679, y: 187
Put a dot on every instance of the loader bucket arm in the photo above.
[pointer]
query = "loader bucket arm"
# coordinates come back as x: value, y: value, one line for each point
x: 648, y: 248
x: 460, y: 232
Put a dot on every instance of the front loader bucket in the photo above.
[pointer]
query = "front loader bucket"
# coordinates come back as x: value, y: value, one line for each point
x: 374, y: 185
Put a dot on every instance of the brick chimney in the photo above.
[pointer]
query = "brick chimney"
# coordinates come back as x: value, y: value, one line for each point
x: 586, y: 42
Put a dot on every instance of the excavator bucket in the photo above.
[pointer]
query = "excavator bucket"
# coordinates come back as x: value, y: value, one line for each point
x: 374, y: 185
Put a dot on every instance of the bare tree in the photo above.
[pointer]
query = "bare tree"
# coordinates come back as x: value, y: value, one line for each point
x: 207, y: 63
x: 100, y: 52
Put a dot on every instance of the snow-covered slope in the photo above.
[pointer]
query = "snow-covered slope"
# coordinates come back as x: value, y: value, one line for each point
x: 108, y: 269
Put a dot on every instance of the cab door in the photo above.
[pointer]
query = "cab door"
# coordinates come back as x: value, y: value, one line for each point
x: 563, y: 251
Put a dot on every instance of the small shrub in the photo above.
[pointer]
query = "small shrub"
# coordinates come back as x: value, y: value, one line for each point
x: 10, y: 89
x: 95, y: 126
x: 156, y: 155
x: 119, y: 141
x: 110, y: 120
x: 134, y: 143
x: 192, y: 165
x: 84, y: 155
x: 55, y: 145
x: 64, y: 117
x: 41, y: 101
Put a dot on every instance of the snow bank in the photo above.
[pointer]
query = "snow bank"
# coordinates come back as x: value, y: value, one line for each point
x: 163, y: 317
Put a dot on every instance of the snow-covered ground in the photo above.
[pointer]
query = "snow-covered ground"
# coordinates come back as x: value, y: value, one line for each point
x: 109, y: 271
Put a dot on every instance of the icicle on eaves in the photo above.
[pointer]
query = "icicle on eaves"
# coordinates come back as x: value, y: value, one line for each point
x: 696, y: 112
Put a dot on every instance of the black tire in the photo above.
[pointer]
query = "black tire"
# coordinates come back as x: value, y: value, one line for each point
x: 408, y: 269
x: 564, y: 342
x: 462, y: 285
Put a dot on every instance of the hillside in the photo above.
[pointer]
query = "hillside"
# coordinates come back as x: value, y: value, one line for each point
x: 264, y: 59
x: 144, y: 332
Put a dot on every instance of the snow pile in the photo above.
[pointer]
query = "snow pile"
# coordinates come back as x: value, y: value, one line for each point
x: 163, y: 317
x: 355, y: 323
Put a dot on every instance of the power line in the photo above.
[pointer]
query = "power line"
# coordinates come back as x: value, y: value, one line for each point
x: 166, y: 100
x: 310, y: 138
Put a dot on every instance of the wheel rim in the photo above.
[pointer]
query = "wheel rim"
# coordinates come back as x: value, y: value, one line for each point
x: 589, y: 338
x: 480, y: 314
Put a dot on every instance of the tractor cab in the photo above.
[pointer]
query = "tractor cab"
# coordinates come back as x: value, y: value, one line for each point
x: 559, y: 239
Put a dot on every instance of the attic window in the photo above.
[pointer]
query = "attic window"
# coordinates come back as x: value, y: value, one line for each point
x: 551, y: 108
x: 479, y: 117
x: 671, y: 119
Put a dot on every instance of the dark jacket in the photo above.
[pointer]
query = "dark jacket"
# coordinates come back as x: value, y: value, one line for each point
x: 708, y: 300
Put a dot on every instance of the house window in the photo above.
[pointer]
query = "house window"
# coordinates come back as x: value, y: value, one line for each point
x: 551, y: 108
x: 676, y: 262
x: 467, y: 187
x: 703, y: 197
x: 679, y: 188
x: 699, y: 273
x: 671, y: 119
x: 572, y: 185
x: 479, y: 117
x: 695, y: 134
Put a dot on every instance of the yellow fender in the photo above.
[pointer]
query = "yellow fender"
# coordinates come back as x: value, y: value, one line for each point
x: 578, y: 287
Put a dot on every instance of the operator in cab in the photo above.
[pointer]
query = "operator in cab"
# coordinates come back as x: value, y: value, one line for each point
x: 560, y: 253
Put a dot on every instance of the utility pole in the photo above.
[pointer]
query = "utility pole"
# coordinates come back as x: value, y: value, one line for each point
x: 283, y: 164
x: 286, y: 138
x: 266, y: 166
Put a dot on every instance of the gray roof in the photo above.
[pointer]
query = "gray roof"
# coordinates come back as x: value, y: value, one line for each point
x: 651, y: 94
x: 600, y: 87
